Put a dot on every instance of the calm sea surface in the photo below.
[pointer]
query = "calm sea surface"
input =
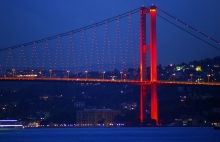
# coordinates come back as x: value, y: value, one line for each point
x: 167, y: 134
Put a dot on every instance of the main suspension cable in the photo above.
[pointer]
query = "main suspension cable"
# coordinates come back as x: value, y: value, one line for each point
x: 188, y: 32
x: 74, y: 31
x: 189, y: 26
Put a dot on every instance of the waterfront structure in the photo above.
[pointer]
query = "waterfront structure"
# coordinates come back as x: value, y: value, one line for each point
x: 96, y: 117
x: 10, y: 123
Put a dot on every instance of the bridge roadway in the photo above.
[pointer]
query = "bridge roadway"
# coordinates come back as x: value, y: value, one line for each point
x: 95, y: 80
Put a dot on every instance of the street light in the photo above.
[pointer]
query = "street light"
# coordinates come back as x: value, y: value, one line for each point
x: 13, y: 71
x: 173, y: 76
x: 208, y: 75
x: 191, y: 75
x: 32, y: 74
x: 50, y: 72
x: 121, y: 74
x: 103, y: 74
x: 68, y: 71
x: 199, y: 79
x: 125, y: 76
x: 86, y: 73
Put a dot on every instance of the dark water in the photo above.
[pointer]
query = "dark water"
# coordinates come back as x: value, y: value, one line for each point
x: 167, y: 134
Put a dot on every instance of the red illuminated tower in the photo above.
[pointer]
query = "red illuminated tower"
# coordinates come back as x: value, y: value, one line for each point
x: 153, y: 62
x: 143, y: 51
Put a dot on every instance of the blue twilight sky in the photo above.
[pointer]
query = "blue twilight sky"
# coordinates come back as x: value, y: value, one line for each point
x: 28, y: 20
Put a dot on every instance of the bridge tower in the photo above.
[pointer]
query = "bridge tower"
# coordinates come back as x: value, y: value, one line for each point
x: 153, y: 63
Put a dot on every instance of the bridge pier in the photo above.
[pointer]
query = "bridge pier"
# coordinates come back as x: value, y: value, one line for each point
x: 154, y: 105
x: 144, y: 90
x: 143, y: 51
x: 153, y: 64
x: 143, y: 100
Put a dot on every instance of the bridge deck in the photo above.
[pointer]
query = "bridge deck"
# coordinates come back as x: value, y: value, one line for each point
x: 94, y: 80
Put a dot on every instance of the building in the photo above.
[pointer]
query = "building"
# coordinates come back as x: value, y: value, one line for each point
x: 178, y: 74
x: 129, y: 105
x: 96, y: 117
x: 182, y: 98
x: 185, y: 120
x: 44, y: 97
x: 206, y: 96
x: 79, y: 104
x: 216, y: 109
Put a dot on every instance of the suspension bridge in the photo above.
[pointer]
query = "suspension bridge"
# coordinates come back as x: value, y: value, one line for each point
x: 103, y: 52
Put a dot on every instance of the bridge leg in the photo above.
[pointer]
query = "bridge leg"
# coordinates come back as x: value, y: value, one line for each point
x: 153, y: 63
x: 143, y: 47
x: 154, y: 107
x: 143, y: 100
x: 153, y: 46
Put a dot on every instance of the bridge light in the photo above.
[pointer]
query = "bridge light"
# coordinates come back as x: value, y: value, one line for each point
x: 152, y: 10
